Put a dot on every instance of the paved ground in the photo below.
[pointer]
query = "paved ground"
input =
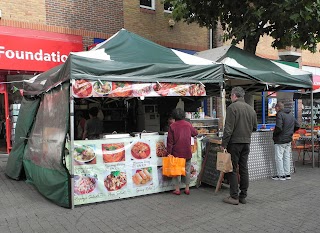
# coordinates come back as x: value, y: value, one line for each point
x: 273, y: 206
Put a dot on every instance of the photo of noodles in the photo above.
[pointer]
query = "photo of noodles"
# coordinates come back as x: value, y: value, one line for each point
x: 84, y: 184
x: 140, y: 150
x: 115, y: 180
x: 142, y: 176
x: 113, y: 152
x: 161, y: 149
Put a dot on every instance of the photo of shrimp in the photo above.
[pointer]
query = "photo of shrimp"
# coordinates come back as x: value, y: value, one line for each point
x: 140, y: 150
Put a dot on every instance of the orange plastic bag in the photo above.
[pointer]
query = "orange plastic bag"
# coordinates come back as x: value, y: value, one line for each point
x: 173, y: 166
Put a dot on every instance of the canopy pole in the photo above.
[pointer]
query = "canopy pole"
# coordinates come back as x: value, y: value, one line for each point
x: 71, y: 146
x: 223, y: 103
x: 211, y: 107
x: 312, y: 126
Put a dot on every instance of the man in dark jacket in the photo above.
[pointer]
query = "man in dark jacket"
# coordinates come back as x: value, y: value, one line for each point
x: 241, y: 121
x: 286, y: 125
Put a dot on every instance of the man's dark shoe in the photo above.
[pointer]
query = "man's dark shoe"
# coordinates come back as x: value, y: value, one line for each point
x: 231, y: 201
x: 242, y: 200
x: 278, y: 178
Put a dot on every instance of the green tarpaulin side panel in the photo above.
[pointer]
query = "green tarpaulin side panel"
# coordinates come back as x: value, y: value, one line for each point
x: 129, y: 47
x: 28, y: 110
x: 54, y: 183
x: 44, y: 154
x: 84, y: 68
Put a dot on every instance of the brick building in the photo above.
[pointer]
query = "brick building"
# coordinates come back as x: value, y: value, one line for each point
x: 37, y: 35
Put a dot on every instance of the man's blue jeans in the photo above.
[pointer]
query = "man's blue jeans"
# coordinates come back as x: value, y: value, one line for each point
x: 282, y: 156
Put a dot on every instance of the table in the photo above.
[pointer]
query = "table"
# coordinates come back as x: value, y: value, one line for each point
x: 309, y: 139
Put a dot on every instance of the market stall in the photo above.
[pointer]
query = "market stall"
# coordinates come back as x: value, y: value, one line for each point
x: 256, y: 74
x: 126, y: 69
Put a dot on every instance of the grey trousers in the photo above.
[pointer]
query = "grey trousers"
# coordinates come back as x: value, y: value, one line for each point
x: 177, y: 180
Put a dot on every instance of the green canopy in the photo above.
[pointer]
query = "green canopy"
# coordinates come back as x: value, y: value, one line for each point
x: 249, y: 68
x: 129, y: 57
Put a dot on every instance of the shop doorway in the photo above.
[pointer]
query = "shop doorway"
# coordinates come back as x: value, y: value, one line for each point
x: 3, y: 142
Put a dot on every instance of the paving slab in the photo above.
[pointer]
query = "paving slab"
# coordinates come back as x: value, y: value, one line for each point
x: 273, y: 206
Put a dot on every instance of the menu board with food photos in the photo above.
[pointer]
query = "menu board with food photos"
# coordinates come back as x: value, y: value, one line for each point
x: 124, y: 167
x: 82, y: 88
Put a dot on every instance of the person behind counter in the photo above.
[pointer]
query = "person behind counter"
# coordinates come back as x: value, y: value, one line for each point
x: 179, y: 145
x: 94, y: 126
x: 169, y: 122
x: 241, y: 121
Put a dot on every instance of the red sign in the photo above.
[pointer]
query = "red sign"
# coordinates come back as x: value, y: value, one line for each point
x: 32, y: 50
x: 316, y: 82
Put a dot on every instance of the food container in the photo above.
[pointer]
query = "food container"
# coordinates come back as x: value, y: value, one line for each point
x: 110, y: 136
x: 144, y: 133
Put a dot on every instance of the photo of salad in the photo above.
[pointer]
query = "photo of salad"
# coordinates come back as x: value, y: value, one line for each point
x: 102, y: 88
x: 83, y: 154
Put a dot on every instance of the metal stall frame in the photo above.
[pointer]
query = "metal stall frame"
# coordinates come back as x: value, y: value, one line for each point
x: 71, y: 147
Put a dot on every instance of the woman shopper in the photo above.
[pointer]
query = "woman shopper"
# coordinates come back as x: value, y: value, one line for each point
x: 179, y: 145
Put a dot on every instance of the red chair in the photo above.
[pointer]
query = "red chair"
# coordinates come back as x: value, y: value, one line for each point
x: 301, y: 132
x: 300, y: 146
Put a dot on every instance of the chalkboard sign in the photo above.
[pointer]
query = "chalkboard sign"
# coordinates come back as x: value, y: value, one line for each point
x: 209, y: 174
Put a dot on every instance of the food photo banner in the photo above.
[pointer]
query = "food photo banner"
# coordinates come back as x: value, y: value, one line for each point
x: 120, y: 168
x: 86, y: 88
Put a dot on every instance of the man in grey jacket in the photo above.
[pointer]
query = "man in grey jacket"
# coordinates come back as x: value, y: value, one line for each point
x: 286, y: 125
x: 241, y: 121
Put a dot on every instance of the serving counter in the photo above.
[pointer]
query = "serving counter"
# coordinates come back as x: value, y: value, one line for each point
x: 115, y: 168
x: 261, y: 160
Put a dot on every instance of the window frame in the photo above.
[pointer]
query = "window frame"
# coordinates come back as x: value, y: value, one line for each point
x: 153, y: 5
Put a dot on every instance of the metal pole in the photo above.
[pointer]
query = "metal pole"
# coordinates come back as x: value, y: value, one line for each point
x: 312, y: 136
x: 223, y: 103
x: 211, y: 107
x: 71, y: 146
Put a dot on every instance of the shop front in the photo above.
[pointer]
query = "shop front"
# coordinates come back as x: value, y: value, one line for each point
x: 24, y: 53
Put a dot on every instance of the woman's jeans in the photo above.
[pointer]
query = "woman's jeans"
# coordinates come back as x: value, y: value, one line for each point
x: 282, y: 156
x: 177, y: 179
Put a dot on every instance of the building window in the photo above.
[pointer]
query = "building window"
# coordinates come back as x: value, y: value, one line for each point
x: 149, y: 4
x: 168, y: 7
